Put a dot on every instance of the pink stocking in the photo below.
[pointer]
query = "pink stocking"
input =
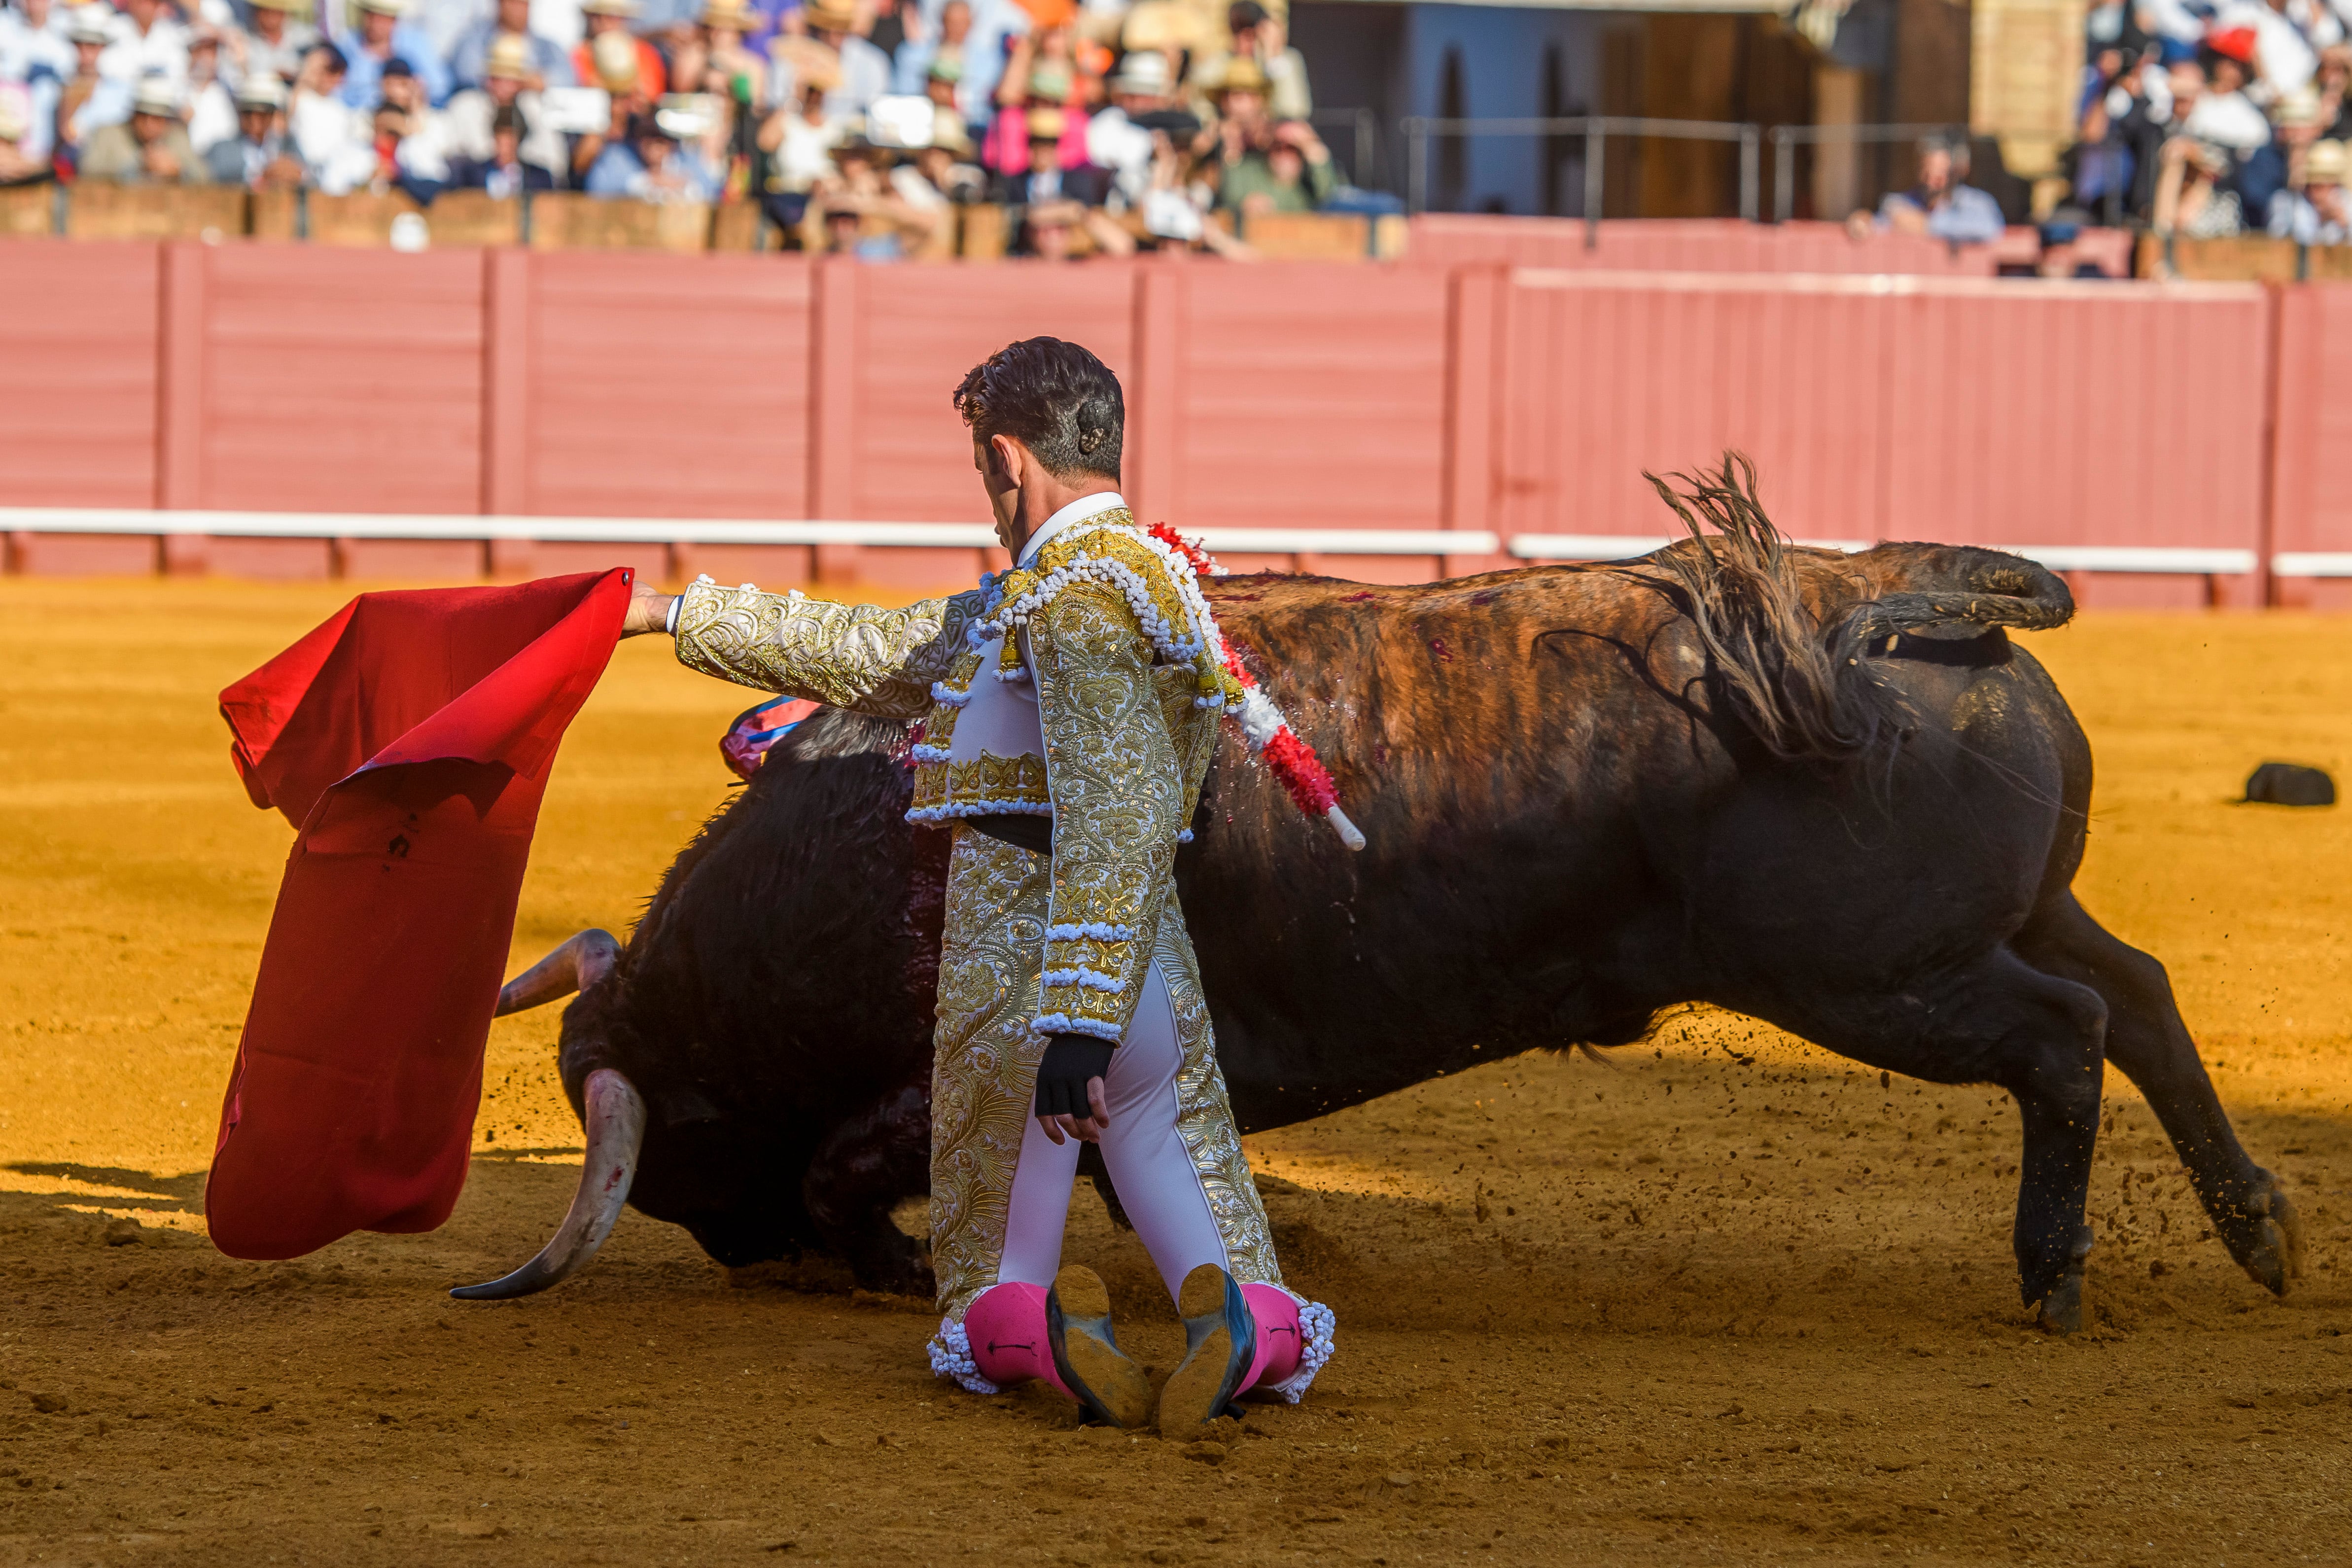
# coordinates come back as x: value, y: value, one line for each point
x: 1006, y: 1326
x: 1277, y: 1336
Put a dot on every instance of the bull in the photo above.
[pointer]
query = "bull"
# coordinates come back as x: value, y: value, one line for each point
x: 1825, y: 790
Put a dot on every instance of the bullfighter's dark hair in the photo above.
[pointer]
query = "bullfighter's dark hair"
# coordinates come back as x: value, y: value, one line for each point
x: 1053, y: 397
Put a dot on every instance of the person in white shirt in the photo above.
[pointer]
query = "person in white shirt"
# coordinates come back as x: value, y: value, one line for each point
x: 468, y: 119
x: 37, y: 59
x: 147, y: 41
x: 278, y: 37
x: 2318, y: 214
x: 2224, y: 116
x: 212, y: 113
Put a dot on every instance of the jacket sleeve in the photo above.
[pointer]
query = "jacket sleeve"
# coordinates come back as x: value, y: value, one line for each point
x: 1118, y: 808
x: 856, y: 656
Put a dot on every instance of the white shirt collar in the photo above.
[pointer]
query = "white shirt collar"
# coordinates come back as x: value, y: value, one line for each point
x: 1077, y: 511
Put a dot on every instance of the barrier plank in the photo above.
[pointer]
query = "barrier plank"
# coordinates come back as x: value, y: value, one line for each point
x: 2311, y: 503
x: 28, y: 210
x: 897, y: 344
x: 1309, y: 237
x: 1607, y: 374
x: 2012, y: 404
x: 81, y: 352
x: 1308, y: 394
x: 567, y: 220
x: 2245, y: 257
x: 662, y: 388
x: 1688, y: 244
x: 101, y: 211
x: 340, y: 379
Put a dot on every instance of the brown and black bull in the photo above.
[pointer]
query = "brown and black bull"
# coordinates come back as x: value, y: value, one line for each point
x: 1825, y: 790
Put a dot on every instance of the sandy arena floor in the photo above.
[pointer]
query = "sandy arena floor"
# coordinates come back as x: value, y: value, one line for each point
x: 1724, y: 1300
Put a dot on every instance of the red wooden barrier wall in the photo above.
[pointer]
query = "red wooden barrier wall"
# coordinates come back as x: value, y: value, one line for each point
x: 79, y: 342
x: 1686, y: 245
x: 289, y: 378
x: 2311, y: 472
x: 1962, y: 410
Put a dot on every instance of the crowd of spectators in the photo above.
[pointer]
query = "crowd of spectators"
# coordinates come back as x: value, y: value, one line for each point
x: 1103, y: 125
x: 2209, y: 121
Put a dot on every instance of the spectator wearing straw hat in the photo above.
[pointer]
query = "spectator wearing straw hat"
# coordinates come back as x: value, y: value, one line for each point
x: 90, y: 98
x: 715, y: 57
x: 799, y: 140
x: 1259, y: 38
x: 381, y: 37
x: 279, y: 35
x: 550, y: 64
x: 2317, y: 213
x: 865, y: 69
x: 256, y: 157
x: 211, y: 111
x: 506, y: 84
x: 1120, y: 138
x: 151, y: 149
x: 612, y: 18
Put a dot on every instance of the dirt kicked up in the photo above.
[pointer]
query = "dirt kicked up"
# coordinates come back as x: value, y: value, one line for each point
x: 1725, y: 1298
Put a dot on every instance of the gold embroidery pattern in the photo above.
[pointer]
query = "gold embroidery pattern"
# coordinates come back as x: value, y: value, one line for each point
x: 856, y: 656
x: 1118, y: 799
x: 1205, y: 1119
x: 987, y: 778
x: 984, y: 1057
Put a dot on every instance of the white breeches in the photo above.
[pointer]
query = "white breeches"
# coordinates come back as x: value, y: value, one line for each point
x: 1158, y: 1181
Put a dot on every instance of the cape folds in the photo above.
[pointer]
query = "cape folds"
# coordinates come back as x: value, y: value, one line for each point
x: 409, y: 738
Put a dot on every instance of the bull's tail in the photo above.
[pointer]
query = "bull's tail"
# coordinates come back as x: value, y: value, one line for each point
x: 1797, y: 679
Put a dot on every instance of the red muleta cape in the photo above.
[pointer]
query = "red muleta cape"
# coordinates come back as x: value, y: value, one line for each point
x: 410, y: 739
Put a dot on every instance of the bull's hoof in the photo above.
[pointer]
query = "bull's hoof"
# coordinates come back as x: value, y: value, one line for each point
x: 2267, y: 1238
x: 2061, y: 1311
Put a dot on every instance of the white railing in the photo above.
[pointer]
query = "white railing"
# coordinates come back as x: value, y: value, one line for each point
x: 979, y: 536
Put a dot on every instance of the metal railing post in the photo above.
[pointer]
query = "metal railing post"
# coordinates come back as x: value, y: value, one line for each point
x: 1367, y: 128
x: 1748, y: 157
x: 1595, y: 150
x: 1784, y: 174
x: 1416, y: 158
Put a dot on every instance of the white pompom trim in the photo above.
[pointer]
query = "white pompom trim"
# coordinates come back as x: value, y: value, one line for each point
x: 1062, y: 1023
x: 950, y: 1351
x: 1087, y: 979
x: 1317, y: 1325
x: 1096, y: 931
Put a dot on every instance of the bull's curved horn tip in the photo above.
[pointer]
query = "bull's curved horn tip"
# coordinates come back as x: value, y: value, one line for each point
x: 615, y: 1123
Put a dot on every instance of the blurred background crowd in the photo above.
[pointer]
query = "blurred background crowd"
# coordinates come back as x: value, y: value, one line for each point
x: 853, y: 124
x: 2212, y: 121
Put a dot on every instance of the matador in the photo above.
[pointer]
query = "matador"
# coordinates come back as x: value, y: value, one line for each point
x: 1069, y: 711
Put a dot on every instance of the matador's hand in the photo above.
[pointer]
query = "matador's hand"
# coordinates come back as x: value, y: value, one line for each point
x: 1070, y: 1087
x: 648, y: 610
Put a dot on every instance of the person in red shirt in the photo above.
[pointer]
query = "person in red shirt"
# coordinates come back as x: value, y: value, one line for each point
x: 613, y: 17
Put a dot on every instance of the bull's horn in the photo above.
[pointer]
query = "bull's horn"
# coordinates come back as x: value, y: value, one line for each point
x: 616, y: 1131
x: 579, y: 963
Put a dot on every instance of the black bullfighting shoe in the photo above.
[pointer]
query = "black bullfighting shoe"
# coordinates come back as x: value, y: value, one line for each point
x: 1107, y: 1387
x: 1219, y: 1341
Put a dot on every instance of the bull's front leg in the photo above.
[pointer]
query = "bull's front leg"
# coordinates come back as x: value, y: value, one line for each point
x: 869, y: 1163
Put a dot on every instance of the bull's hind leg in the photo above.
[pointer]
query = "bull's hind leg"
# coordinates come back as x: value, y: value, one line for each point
x: 2147, y: 1040
x: 2000, y: 1022
x: 865, y: 1168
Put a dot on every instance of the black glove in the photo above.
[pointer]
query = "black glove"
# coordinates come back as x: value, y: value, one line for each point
x: 1069, y: 1061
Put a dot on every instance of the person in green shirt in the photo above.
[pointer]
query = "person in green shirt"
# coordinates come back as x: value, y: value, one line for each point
x: 1291, y: 171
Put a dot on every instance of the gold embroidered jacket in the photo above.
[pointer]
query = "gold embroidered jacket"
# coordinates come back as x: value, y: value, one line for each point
x: 1110, y: 627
